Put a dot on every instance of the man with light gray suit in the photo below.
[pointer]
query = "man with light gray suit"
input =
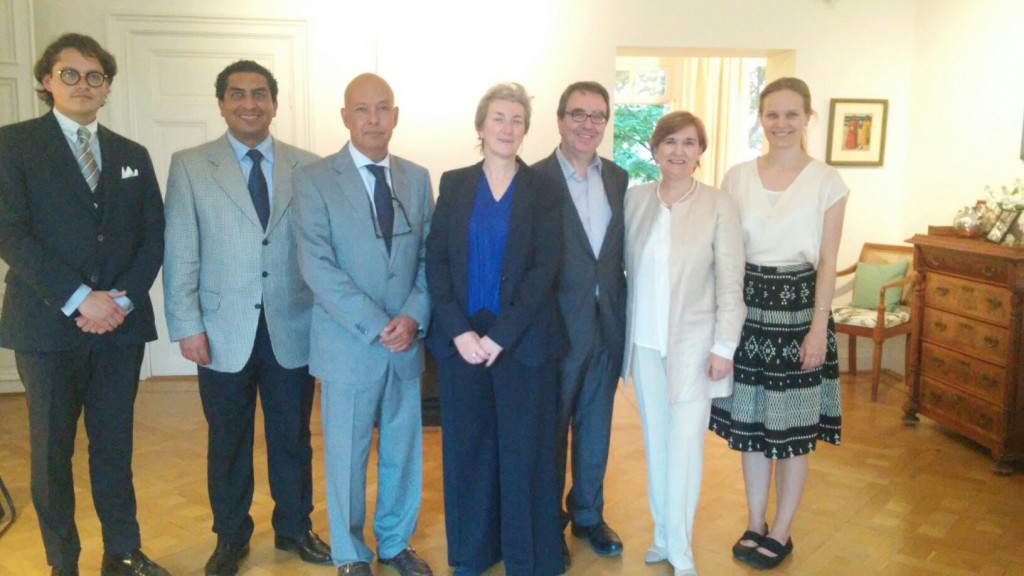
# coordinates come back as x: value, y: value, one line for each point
x: 237, y: 306
x: 362, y: 218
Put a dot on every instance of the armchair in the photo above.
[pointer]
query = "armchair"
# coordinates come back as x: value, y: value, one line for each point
x: 881, y: 278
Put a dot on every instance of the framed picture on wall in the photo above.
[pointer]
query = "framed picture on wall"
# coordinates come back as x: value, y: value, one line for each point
x: 856, y: 132
x: 1002, y: 225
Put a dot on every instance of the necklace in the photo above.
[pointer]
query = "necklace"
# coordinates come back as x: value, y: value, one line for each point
x: 677, y: 200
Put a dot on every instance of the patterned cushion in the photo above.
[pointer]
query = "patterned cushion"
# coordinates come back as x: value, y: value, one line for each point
x: 867, y: 318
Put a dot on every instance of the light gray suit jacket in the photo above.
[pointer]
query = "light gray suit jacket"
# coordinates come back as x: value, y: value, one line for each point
x: 220, y: 267
x: 357, y: 286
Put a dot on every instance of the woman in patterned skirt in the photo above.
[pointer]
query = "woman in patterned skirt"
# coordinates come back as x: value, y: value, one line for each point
x: 786, y: 378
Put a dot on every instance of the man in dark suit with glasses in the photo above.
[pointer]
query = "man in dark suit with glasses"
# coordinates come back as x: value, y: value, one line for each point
x: 81, y: 228
x: 592, y: 298
x: 362, y: 216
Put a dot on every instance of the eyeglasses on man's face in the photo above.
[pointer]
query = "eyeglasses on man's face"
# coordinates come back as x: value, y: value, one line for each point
x: 580, y: 116
x: 70, y: 76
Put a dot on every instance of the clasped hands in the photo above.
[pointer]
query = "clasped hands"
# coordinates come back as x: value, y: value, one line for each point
x: 477, y: 350
x: 399, y: 333
x: 99, y: 313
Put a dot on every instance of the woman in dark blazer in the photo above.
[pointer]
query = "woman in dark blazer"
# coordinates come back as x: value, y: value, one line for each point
x: 492, y: 257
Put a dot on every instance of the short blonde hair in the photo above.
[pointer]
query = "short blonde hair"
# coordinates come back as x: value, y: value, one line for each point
x: 509, y: 91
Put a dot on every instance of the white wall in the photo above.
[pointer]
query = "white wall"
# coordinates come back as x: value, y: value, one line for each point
x: 968, y: 113
x: 951, y: 70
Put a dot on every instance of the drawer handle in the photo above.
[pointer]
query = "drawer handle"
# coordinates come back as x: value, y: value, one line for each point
x: 992, y: 342
x: 942, y: 291
x: 989, y: 271
x: 985, y: 421
x: 934, y: 262
x: 967, y: 289
x: 941, y: 326
x: 994, y: 303
x: 989, y: 382
x: 964, y: 365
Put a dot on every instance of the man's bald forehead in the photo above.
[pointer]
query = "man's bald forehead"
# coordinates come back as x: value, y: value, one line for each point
x: 367, y: 80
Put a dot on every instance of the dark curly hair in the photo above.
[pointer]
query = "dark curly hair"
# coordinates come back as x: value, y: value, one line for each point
x: 86, y: 45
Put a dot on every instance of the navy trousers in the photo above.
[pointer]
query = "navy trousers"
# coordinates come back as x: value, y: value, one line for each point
x: 229, y: 403
x: 103, y: 380
x: 500, y: 495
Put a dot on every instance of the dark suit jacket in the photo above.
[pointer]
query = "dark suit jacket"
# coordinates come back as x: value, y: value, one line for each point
x: 583, y: 271
x: 53, y: 240
x: 529, y: 325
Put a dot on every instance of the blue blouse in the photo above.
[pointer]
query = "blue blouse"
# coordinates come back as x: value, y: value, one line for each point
x: 488, y: 229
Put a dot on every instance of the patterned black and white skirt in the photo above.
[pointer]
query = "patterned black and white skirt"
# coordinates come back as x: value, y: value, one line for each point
x: 777, y: 408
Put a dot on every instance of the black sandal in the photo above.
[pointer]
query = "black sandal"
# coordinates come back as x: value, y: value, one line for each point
x: 762, y: 561
x: 741, y: 552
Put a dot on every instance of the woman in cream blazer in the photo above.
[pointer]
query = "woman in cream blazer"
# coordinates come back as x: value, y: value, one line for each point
x: 684, y: 267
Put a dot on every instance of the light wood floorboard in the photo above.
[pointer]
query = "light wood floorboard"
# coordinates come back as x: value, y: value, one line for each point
x: 891, y: 500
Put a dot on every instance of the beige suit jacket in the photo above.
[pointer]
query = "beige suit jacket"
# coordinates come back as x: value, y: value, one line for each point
x: 706, y: 284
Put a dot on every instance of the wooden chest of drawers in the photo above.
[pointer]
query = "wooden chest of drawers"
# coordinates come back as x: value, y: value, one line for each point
x: 968, y: 342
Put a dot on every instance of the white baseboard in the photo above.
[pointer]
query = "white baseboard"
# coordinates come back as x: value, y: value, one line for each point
x: 11, y: 387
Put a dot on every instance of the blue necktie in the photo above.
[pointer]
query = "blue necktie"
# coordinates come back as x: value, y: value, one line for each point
x: 258, y: 188
x: 382, y: 203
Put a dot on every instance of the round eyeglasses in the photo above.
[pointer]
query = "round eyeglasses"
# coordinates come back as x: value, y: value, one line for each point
x: 581, y: 116
x: 70, y: 76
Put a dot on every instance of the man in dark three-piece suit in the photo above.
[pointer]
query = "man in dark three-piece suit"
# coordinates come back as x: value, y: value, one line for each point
x: 362, y: 216
x: 237, y: 306
x: 81, y: 228
x: 592, y: 299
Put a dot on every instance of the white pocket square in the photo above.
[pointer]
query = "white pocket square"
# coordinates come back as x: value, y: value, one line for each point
x: 129, y: 172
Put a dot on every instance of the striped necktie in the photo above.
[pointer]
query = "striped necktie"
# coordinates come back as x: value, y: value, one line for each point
x: 86, y: 161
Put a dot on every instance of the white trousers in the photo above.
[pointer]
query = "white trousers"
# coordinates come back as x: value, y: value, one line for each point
x: 674, y: 446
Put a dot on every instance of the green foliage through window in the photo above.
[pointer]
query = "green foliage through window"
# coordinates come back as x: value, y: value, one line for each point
x: 634, y: 124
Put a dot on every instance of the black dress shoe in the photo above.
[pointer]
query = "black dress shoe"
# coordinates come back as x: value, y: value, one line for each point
x: 58, y: 571
x: 309, y: 547
x: 762, y: 561
x: 225, y: 558
x: 602, y: 539
x: 355, y: 569
x: 408, y: 563
x: 741, y: 551
x: 134, y: 564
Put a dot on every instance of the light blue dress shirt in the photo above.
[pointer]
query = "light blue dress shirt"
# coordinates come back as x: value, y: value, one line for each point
x: 245, y: 163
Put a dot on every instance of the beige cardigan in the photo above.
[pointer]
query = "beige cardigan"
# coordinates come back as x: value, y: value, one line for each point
x: 706, y: 284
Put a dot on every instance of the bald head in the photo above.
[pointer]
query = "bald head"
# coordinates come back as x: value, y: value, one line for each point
x: 364, y: 82
x: 370, y: 115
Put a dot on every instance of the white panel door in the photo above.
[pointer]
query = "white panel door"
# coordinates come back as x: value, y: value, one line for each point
x: 17, y: 99
x: 164, y: 98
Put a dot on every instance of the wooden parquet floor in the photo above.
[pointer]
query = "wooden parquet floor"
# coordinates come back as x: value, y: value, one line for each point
x: 891, y: 500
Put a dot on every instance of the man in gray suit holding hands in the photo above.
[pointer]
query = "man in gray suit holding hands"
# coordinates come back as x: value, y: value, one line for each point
x: 592, y: 299
x: 362, y: 218
x: 237, y: 306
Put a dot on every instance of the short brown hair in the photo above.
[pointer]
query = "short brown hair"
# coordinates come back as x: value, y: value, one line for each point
x: 673, y: 122
x: 85, y: 45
